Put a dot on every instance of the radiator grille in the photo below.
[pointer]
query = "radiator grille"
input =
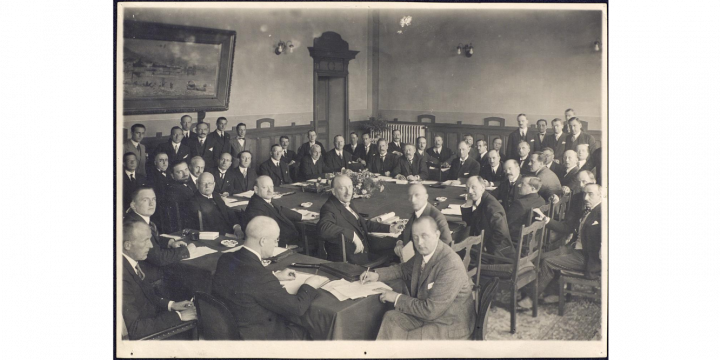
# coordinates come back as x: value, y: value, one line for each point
x: 408, y: 133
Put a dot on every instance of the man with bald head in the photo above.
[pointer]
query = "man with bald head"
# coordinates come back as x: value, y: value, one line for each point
x: 463, y: 166
x: 216, y: 216
x: 570, y: 161
x: 204, y: 146
x: 418, y: 196
x: 312, y: 166
x: 261, y: 307
x: 493, y: 173
x: 339, y: 217
x: 275, y: 168
x: 143, y: 311
x: 410, y: 167
x: 337, y: 158
x: 261, y: 204
x: 439, y: 304
x: 175, y: 147
x: 227, y: 180
x: 481, y: 212
x: 186, y: 126
x: 506, y: 191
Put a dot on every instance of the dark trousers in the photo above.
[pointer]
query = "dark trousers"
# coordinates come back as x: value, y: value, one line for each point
x: 573, y: 261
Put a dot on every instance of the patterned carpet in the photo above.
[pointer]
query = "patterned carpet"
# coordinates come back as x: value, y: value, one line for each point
x: 581, y: 321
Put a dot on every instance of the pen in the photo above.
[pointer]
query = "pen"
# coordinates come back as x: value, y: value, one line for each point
x: 362, y: 281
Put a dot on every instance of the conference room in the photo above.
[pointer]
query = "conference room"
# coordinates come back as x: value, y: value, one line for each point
x: 336, y: 172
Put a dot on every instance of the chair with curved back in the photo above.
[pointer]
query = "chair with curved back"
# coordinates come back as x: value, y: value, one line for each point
x: 486, y: 297
x: 215, y: 321
x: 372, y: 264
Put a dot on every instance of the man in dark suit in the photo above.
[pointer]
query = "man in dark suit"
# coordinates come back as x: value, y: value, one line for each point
x: 541, y: 139
x: 227, y: 180
x: 197, y: 167
x: 204, y: 146
x: 304, y: 149
x: 483, y: 212
x: 584, y: 160
x: 175, y: 148
x: 570, y: 161
x: 353, y: 146
x: 177, y: 193
x: 186, y: 126
x: 482, y: 150
x: 339, y: 217
x: 216, y: 216
x: 523, y: 152
x: 586, y: 228
x: 550, y: 182
x: 409, y: 166
x: 261, y: 307
x: 440, y: 155
x: 558, y: 140
x: 312, y: 166
x: 549, y: 156
x: 527, y: 199
x: 337, y: 158
x: 238, y: 144
x: 157, y: 175
x: 220, y: 138
x: 493, y: 173
x: 366, y: 150
x: 131, y: 178
x: 421, y: 143
x: 498, y: 146
x: 419, y: 199
x: 261, y: 205
x: 246, y: 174
x: 517, y: 136
x: 439, y: 303
x: 288, y: 156
x: 577, y: 137
x: 275, y: 168
x: 473, y: 153
x: 396, y: 146
x: 144, y: 312
x: 506, y: 190
x: 464, y: 166
x: 383, y: 162
x: 133, y: 145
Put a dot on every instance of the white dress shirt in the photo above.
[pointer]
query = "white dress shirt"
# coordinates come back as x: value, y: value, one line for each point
x: 243, y: 171
x: 128, y: 173
x: 419, y: 212
x: 276, y: 162
x: 194, y: 179
x: 581, y: 163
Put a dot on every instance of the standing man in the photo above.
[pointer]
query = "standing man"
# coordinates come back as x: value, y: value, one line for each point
x: 227, y: 180
x: 421, y: 142
x: 409, y: 167
x: 203, y: 146
x: 569, y: 114
x: 238, y: 143
x: 220, y: 138
x: 383, y: 162
x: 439, y: 304
x: 175, y: 148
x: 497, y: 146
x: 246, y: 173
x: 482, y: 149
x: 577, y: 136
x: 493, y: 173
x: 288, y: 156
x: 516, y: 137
x: 507, y: 189
x: 131, y: 178
x: 304, y: 149
x: 550, y: 182
x: 464, y: 166
x: 541, y: 139
x: 275, y: 168
x: 352, y: 146
x: 337, y: 158
x: 557, y: 141
x: 133, y: 145
x: 216, y: 216
x: 312, y: 167
x: 186, y: 125
x: 523, y: 150
x: 396, y: 147
x: 418, y: 196
x: 483, y: 212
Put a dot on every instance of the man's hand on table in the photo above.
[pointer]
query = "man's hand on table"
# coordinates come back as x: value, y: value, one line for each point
x: 316, y: 281
x: 225, y: 194
x: 413, y: 177
x: 285, y: 274
x: 387, y: 295
x: 387, y: 173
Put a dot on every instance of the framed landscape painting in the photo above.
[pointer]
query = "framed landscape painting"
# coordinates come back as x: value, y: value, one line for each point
x: 174, y: 69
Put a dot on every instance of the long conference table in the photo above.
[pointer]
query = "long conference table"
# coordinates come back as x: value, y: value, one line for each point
x: 327, y: 318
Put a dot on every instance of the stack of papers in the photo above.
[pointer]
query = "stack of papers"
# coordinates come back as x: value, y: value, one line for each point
x: 292, y: 286
x: 299, y: 184
x: 238, y: 203
x: 356, y: 290
x: 330, y: 287
x: 453, y: 209
x: 209, y: 235
x: 201, y: 251
x: 247, y: 194
x: 174, y: 237
x: 429, y: 182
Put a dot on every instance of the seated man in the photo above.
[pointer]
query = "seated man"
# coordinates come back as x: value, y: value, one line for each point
x: 483, y: 212
x: 246, y: 173
x: 464, y: 166
x: 439, y: 304
x: 383, y: 162
x: 312, y: 167
x: 261, y: 307
x: 131, y: 177
x: 275, y: 168
x: 586, y: 228
x: 493, y: 173
x: 418, y: 196
x: 497, y: 146
x: 216, y: 216
x: 144, y: 312
x: 421, y: 143
x: 549, y: 155
x: 338, y: 217
x: 568, y: 174
x: 550, y: 183
x: 523, y: 152
x: 527, y: 199
x: 337, y: 158
x: 261, y: 205
x: 440, y: 157
x: 227, y: 180
x: 197, y: 167
x: 157, y: 175
x: 409, y: 166
x: 176, y: 195
x: 482, y: 150
x: 353, y: 146
x: 304, y: 149
x: 583, y: 154
x: 365, y: 151
x: 506, y: 191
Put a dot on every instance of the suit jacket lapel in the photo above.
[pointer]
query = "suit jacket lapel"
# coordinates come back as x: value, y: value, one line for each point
x: 415, y: 281
x: 223, y: 213
x: 350, y: 217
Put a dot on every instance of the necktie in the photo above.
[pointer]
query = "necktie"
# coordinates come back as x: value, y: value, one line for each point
x: 138, y: 147
x: 176, y: 148
x: 140, y: 273
x: 132, y: 177
x: 347, y: 206
x: 493, y: 170
x: 243, y: 171
x: 578, y: 243
x: 222, y: 176
x: 187, y: 133
x: 202, y: 141
x: 422, y: 265
x: 340, y: 155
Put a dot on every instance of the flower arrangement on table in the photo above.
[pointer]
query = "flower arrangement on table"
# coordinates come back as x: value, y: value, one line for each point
x: 364, y: 182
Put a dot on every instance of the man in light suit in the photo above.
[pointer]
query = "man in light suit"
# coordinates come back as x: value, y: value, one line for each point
x: 275, y: 168
x: 337, y: 158
x: 246, y: 173
x: 216, y: 216
x: 383, y: 162
x: 313, y: 167
x: 439, y: 304
x: 550, y: 182
x: 517, y: 136
x: 175, y: 148
x: 464, y: 166
x: 186, y: 125
x: 204, y: 146
x: 339, y: 217
x: 541, y: 139
x: 577, y: 137
x: 417, y: 193
x: 483, y: 212
x: 396, y: 146
x: 409, y: 166
x: 304, y: 149
x: 226, y: 179
x: 238, y: 144
x: 261, y: 307
x: 133, y: 145
x: 558, y: 140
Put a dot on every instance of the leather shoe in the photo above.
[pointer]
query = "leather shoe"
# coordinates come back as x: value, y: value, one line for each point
x: 525, y: 303
x: 551, y: 299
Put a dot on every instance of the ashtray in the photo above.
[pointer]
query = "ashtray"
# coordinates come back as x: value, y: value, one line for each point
x: 306, y: 204
x: 229, y: 243
x: 440, y: 198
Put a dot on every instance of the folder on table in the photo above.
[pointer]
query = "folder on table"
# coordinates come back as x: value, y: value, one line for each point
x: 453, y: 209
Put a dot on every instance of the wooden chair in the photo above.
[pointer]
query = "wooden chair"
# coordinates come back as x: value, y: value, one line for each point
x: 215, y: 321
x: 486, y: 297
x: 175, y: 330
x: 557, y: 212
x: 467, y: 244
x: 372, y: 264
x: 303, y: 232
x: 170, y: 217
x: 576, y: 278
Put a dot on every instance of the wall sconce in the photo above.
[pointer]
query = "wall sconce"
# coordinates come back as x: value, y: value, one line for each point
x: 597, y: 45
x: 467, y: 49
x: 282, y: 46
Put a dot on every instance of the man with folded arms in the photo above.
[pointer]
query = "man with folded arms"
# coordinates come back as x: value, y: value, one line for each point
x: 418, y: 197
x: 144, y: 312
x: 483, y: 212
x: 493, y: 173
x: 339, y: 217
x: 337, y: 158
x: 246, y: 174
x: 226, y: 179
x: 216, y: 216
x: 396, y: 146
x: 312, y: 167
x: 550, y: 182
x: 275, y: 168
x: 439, y: 304
x: 409, y: 167
x: 383, y: 162
x: 464, y: 166
x: 261, y: 307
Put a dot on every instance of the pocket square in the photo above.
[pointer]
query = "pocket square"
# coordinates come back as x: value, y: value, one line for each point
x: 430, y: 285
x: 563, y: 142
x: 533, y: 140
x: 466, y: 174
x: 185, y: 156
x: 595, y: 223
x: 210, y: 149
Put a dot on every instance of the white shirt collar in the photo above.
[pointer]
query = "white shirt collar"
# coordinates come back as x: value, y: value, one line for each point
x: 465, y: 159
x: 207, y: 196
x: 243, y: 170
x: 130, y: 172
x: 548, y: 165
x: 146, y: 218
x: 576, y: 136
x: 557, y: 136
x: 483, y: 154
x: 268, y: 201
x: 513, y: 180
x: 276, y: 162
x: 581, y: 163
x: 495, y: 168
x: 338, y: 152
x: 567, y: 171
x: 221, y: 133
x: 419, y: 212
x: 135, y: 144
x: 427, y: 257
x: 410, y: 159
x: 314, y: 161
x: 222, y: 171
x: 254, y: 252
x: 193, y: 178
x: 132, y: 262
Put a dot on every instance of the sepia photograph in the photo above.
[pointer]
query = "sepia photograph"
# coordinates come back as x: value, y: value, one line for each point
x: 395, y: 180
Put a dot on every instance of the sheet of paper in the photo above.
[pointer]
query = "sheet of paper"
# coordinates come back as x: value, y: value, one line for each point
x: 338, y: 295
x: 292, y: 286
x: 233, y: 249
x: 278, y: 250
x: 356, y: 290
x: 401, y: 182
x: 209, y: 235
x: 246, y: 194
x: 458, y: 185
x: 453, y: 209
x: 333, y: 284
x: 174, y: 237
x: 490, y: 188
x: 299, y: 184
x: 201, y: 251
x: 229, y: 200
x: 382, y: 235
x: 408, y: 251
x: 305, y: 212
x: 238, y: 203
